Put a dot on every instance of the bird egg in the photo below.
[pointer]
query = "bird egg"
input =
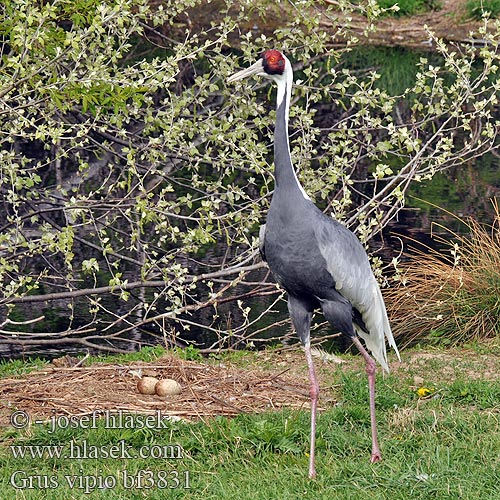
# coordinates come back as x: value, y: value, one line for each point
x: 168, y: 387
x: 146, y: 385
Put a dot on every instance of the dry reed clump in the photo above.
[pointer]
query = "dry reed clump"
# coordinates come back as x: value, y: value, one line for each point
x: 451, y: 296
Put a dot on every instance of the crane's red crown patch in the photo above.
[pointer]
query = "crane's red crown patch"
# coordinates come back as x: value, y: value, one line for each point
x: 274, y: 62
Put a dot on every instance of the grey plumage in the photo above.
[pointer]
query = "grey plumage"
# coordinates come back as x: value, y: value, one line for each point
x: 318, y: 261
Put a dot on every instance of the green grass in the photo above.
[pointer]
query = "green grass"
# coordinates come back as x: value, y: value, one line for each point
x: 147, y: 354
x: 18, y: 367
x: 477, y: 8
x: 410, y: 7
x: 441, y: 447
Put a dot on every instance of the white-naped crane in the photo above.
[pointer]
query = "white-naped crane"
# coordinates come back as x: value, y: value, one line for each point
x: 317, y: 260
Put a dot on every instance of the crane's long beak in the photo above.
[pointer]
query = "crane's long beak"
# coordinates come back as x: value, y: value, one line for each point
x: 255, y: 69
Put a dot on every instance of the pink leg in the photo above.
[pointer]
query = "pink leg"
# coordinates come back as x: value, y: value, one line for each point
x: 314, y: 393
x: 370, y: 370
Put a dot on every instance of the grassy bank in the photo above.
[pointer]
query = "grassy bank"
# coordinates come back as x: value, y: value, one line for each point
x: 438, y: 422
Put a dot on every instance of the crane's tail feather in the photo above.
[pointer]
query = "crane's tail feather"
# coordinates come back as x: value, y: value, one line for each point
x: 378, y: 325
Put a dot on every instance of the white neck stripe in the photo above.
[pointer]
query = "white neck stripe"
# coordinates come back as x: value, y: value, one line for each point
x: 285, y: 83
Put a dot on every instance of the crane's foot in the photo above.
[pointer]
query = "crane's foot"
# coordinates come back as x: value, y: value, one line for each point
x: 376, y: 457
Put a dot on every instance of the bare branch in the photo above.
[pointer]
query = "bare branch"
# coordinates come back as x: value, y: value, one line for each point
x: 128, y: 286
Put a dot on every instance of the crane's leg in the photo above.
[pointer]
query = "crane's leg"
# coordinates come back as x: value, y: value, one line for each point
x: 339, y: 313
x: 313, y: 393
x: 370, y: 370
x: 301, y: 316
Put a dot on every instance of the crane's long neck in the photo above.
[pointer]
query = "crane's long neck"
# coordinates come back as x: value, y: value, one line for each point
x: 284, y: 173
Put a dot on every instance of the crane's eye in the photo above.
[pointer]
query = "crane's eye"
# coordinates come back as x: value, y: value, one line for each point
x: 275, y: 60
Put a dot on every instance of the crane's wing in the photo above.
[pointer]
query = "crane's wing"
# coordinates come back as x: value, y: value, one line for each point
x: 348, y: 264
x: 262, y: 237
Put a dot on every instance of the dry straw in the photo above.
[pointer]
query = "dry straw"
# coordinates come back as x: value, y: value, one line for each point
x: 452, y: 295
x: 207, y: 391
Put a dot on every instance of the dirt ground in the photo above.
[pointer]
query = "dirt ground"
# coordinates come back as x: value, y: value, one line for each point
x: 449, y: 23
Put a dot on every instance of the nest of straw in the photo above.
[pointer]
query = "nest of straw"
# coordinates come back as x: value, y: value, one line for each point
x: 207, y: 390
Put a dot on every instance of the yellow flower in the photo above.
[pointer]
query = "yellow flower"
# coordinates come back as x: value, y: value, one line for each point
x: 423, y: 392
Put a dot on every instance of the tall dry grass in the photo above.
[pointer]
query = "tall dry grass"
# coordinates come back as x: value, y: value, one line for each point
x: 450, y: 296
